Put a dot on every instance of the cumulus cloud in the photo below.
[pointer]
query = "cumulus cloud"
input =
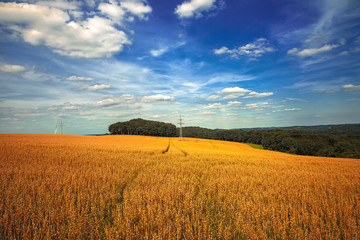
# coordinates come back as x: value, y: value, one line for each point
x: 194, y: 8
x: 234, y: 104
x: 312, y: 51
x: 158, y: 98
x: 255, y: 49
x: 125, y: 98
x: 138, y: 8
x: 252, y: 106
x: 259, y: 95
x: 125, y: 10
x: 95, y: 87
x: 222, y: 50
x: 76, y: 78
x: 233, y: 96
x: 12, y: 68
x: 234, y: 90
x: 114, y: 11
x: 49, y: 23
x: 212, y: 97
x: 213, y: 106
x: 351, y: 87
x: 60, y: 4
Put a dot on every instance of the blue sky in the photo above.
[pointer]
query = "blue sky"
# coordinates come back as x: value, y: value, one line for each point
x: 219, y: 63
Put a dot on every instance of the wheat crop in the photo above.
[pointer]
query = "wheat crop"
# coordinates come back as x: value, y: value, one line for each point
x: 136, y: 187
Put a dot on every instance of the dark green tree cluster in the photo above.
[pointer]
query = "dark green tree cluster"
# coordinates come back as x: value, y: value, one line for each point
x: 143, y: 127
x: 313, y: 144
x: 289, y: 141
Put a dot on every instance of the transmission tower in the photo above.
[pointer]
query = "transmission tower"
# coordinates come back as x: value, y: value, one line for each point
x: 181, y: 133
x: 61, y: 126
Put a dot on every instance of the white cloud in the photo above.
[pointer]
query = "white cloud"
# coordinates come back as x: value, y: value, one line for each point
x: 128, y: 98
x: 158, y: 98
x: 312, y: 51
x: 235, y: 90
x: 234, y: 104
x: 206, y: 113
x: 76, y: 78
x: 221, y: 51
x: 138, y: 8
x: 233, y: 96
x: 212, y: 97
x: 158, y: 52
x: 288, y: 110
x: 49, y: 25
x: 113, y: 10
x: 125, y: 98
x: 350, y: 87
x: 213, y: 106
x: 95, y: 87
x: 60, y: 4
x: 194, y: 8
x: 255, y: 49
x: 296, y: 99
x: 66, y: 108
x: 259, y: 95
x: 252, y: 105
x: 108, y: 102
x: 160, y: 116
x: 12, y: 68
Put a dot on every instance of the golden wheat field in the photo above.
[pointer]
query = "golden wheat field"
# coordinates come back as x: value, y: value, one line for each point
x: 136, y: 187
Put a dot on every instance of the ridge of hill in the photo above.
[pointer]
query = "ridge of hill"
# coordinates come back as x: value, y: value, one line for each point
x: 341, y: 141
x: 348, y: 130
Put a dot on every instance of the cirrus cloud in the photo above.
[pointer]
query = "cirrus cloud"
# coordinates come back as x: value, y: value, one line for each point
x: 312, y: 51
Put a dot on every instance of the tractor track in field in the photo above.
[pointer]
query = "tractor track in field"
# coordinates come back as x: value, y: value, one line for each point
x: 168, y: 148
x: 185, y: 153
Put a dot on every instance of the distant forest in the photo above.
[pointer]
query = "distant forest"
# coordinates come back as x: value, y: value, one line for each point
x: 341, y: 141
x: 143, y: 127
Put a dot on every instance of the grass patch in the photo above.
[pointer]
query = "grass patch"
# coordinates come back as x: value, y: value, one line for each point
x: 256, y: 146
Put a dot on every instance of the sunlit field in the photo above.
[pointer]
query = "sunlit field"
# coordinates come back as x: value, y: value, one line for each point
x: 136, y: 187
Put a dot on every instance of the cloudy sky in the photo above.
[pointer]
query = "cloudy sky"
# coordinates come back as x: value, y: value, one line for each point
x: 219, y: 63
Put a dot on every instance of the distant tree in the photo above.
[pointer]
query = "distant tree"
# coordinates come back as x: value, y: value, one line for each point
x: 143, y: 127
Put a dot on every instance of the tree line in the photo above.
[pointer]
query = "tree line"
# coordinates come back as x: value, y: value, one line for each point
x: 289, y: 141
x: 293, y: 141
x: 143, y: 127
